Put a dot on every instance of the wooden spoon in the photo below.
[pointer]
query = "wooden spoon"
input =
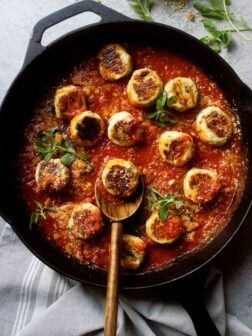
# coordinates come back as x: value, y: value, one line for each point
x: 116, y: 214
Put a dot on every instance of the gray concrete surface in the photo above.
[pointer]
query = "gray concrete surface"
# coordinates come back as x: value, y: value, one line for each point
x: 17, y: 19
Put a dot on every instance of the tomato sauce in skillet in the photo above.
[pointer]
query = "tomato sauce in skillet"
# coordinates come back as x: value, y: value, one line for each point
x: 107, y: 98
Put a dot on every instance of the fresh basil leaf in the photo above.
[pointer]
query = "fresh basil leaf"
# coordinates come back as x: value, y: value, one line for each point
x: 213, y: 43
x: 67, y: 159
x: 142, y: 8
x: 161, y: 100
x: 51, y: 209
x: 226, y: 38
x: 210, y: 26
x: 172, y: 100
x: 47, y: 156
x: 218, y: 4
x: 68, y: 146
x: 163, y: 212
x: 209, y: 12
x: 151, y: 115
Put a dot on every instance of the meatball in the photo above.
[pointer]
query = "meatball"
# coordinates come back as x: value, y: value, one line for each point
x: 201, y: 185
x: 86, y: 221
x: 120, y: 178
x: 68, y: 99
x: 185, y: 91
x: 144, y: 87
x: 164, y: 232
x: 176, y: 148
x: 133, y: 252
x: 115, y: 63
x: 87, y: 128
x: 214, y: 126
x: 124, y: 130
x: 52, y: 175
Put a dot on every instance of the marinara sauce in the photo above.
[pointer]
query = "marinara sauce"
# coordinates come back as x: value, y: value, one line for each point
x: 107, y: 98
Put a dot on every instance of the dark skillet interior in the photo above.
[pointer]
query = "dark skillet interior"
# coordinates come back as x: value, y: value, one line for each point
x: 53, y: 63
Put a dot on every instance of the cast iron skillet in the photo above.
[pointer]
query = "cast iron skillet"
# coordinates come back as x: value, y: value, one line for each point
x: 41, y: 67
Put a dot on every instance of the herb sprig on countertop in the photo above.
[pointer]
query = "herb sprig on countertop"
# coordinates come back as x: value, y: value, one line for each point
x: 142, y: 8
x: 218, y: 10
x: 47, y: 145
x: 161, y: 116
x: 41, y: 212
x: 165, y: 203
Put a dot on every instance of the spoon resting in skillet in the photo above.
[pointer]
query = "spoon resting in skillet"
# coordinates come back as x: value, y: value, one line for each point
x: 116, y: 214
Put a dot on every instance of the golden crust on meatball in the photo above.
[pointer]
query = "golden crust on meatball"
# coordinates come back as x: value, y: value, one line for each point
x: 87, y: 128
x: 52, y: 175
x: 132, y: 252
x: 214, y: 126
x: 68, y: 99
x: 201, y: 185
x: 176, y: 148
x: 164, y: 232
x: 115, y: 63
x: 120, y: 178
x: 144, y: 87
x: 185, y: 91
x: 86, y: 221
x: 124, y: 130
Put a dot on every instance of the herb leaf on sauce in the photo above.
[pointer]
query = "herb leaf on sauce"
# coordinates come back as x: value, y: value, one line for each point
x: 161, y: 116
x: 166, y: 203
x: 142, y: 8
x: 47, y: 146
x: 39, y: 213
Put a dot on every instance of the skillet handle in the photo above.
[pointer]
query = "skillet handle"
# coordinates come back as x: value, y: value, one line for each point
x: 190, y: 294
x: 106, y: 14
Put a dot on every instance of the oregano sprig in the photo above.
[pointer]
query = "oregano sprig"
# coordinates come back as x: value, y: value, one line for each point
x: 218, y: 10
x: 161, y: 116
x: 165, y: 203
x: 47, y: 146
x: 41, y: 212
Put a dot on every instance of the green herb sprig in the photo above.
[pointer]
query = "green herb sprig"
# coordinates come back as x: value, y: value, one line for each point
x: 220, y: 38
x: 41, y: 212
x: 161, y: 116
x: 142, y: 8
x: 165, y: 203
x: 47, y: 146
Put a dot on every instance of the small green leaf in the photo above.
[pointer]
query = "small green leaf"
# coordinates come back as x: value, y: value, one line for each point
x: 39, y: 213
x: 151, y: 115
x: 47, y: 156
x: 67, y: 159
x: 161, y: 100
x: 218, y: 4
x: 226, y: 38
x: 209, y: 12
x: 161, y: 116
x: 162, y: 203
x: 163, y: 212
x: 51, y: 209
x: 67, y: 145
x: 172, y: 100
x: 33, y: 219
x: 210, y: 26
x: 142, y: 8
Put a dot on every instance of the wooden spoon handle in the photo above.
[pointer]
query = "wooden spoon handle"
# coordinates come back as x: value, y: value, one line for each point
x: 112, y: 285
